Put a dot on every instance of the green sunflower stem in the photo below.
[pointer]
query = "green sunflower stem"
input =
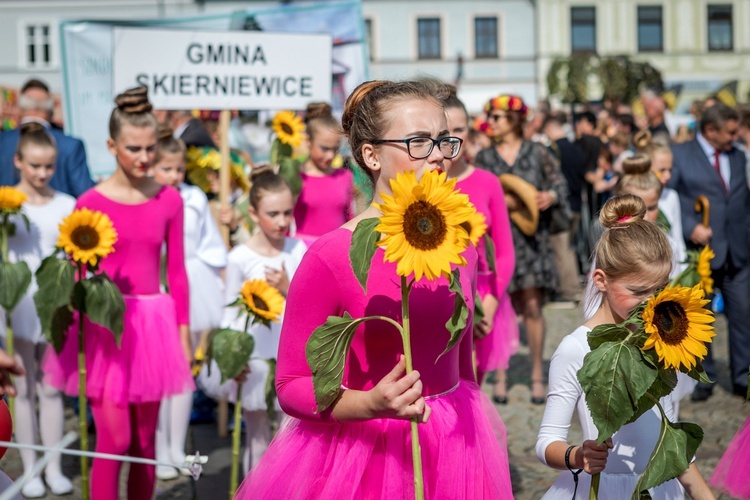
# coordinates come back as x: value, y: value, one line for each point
x: 594, y: 491
x: 416, y: 449
x: 82, y: 403
x: 8, y: 327
x: 236, y: 442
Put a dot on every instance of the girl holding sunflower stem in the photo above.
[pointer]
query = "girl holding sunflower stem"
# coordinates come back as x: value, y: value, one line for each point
x: 399, y: 135
x: 632, y: 261
x: 44, y: 207
x: 126, y: 383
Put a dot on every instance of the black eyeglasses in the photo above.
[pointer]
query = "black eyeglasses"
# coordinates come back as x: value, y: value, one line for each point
x: 421, y: 147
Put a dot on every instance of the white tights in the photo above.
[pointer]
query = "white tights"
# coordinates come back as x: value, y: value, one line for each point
x: 174, y: 418
x: 51, y: 412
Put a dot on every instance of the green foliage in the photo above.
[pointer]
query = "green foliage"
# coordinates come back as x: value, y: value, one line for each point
x: 289, y: 169
x: 231, y: 349
x: 62, y: 319
x: 271, y: 388
x: 489, y: 250
x: 458, y: 320
x: 478, y: 309
x: 665, y: 382
x: 364, y: 245
x: 606, y: 333
x: 55, y: 279
x: 14, y: 280
x: 102, y: 303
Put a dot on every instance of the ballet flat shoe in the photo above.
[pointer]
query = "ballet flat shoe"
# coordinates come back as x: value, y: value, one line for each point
x: 34, y: 488
x: 166, y: 473
x: 59, y: 485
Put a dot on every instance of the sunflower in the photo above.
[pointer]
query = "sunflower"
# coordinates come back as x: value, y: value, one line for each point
x: 703, y: 267
x: 421, y: 224
x: 262, y: 300
x: 87, y: 236
x: 678, y: 326
x: 475, y: 227
x: 288, y: 128
x: 11, y: 200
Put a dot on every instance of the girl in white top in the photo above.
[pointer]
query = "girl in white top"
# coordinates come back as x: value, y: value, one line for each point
x: 35, y: 159
x: 274, y: 257
x: 205, y: 257
x: 632, y: 260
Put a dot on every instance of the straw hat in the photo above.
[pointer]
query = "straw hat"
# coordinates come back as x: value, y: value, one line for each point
x: 526, y: 218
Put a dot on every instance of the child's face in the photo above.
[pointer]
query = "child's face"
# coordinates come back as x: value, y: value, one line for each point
x: 458, y: 126
x: 661, y: 164
x: 274, y: 213
x: 651, y: 199
x: 134, y: 149
x: 170, y: 170
x: 626, y: 293
x: 37, y: 164
x: 324, y: 147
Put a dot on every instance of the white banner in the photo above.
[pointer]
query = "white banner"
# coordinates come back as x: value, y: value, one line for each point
x: 223, y: 69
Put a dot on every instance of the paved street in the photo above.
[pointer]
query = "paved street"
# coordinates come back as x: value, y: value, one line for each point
x: 720, y: 419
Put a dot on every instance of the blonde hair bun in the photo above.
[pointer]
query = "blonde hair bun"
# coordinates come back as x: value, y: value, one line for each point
x: 622, y: 211
x: 317, y: 110
x: 134, y: 101
x: 638, y: 164
x: 642, y: 140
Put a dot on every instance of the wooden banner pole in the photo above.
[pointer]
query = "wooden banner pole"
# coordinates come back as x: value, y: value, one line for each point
x: 222, y: 416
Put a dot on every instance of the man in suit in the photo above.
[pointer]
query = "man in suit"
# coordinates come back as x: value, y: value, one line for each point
x: 711, y: 166
x: 191, y: 131
x: 71, y: 172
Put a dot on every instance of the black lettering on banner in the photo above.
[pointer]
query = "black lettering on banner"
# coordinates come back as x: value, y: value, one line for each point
x: 159, y: 82
x: 218, y: 83
x: 194, y: 53
x: 287, y: 92
x: 262, y: 85
x: 244, y: 85
x: 305, y: 86
x: 241, y: 52
x: 142, y: 79
x: 201, y: 82
x: 259, y: 55
x: 215, y: 54
x: 185, y: 85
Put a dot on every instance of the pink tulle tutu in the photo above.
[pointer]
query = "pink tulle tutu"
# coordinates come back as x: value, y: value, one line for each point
x: 464, y: 456
x: 731, y: 473
x: 149, y: 365
x: 493, y: 352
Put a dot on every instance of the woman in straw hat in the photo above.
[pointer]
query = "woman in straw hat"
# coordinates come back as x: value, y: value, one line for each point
x: 533, y: 168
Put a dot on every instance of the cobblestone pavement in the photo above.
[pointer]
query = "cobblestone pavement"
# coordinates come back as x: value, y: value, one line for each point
x: 720, y: 419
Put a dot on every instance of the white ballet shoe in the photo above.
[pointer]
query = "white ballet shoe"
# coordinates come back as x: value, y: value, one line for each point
x: 59, y: 485
x: 34, y: 488
x: 166, y: 473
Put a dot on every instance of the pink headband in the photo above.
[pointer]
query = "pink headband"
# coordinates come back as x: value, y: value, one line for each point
x: 624, y: 218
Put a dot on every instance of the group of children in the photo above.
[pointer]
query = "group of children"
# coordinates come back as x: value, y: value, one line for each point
x: 360, y: 447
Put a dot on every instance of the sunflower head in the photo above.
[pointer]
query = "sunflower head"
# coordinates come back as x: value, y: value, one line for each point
x: 87, y: 236
x: 11, y: 200
x: 262, y: 300
x: 678, y: 326
x: 288, y: 127
x: 421, y: 224
x: 703, y: 268
x: 475, y: 227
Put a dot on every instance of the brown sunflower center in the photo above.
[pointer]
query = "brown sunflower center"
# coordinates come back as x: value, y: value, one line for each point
x: 287, y: 129
x: 259, y: 303
x: 671, y: 321
x: 85, y: 237
x: 424, y: 226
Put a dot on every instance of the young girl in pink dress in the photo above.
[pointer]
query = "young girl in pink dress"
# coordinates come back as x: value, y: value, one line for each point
x: 327, y: 196
x: 126, y: 384
x: 360, y: 446
x: 496, y: 336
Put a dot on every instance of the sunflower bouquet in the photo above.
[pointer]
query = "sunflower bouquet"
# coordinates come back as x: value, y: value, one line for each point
x: 231, y: 350
x: 425, y: 228
x: 14, y: 277
x: 635, y: 363
x: 72, y: 283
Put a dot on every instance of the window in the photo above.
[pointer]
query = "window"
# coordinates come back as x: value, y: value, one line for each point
x: 485, y: 37
x: 583, y: 29
x: 38, y: 49
x: 428, y: 33
x: 650, y: 36
x: 720, y: 27
x: 368, y: 39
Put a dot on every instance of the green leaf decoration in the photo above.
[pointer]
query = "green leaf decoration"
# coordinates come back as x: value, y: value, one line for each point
x: 289, y: 170
x: 606, y: 333
x: 15, y: 278
x: 62, y: 319
x: 364, y: 245
x: 326, y: 355
x: 55, y: 279
x: 699, y: 374
x: 280, y: 151
x: 489, y: 250
x: 271, y: 388
x: 614, y: 379
x: 231, y: 349
x: 457, y: 322
x: 672, y: 454
x: 104, y: 304
x: 665, y: 382
x: 478, y: 309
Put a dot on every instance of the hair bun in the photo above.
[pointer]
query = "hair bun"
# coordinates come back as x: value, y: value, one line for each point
x: 134, y: 101
x: 317, y: 110
x: 621, y: 211
x: 164, y: 131
x: 356, y: 97
x: 642, y: 140
x: 262, y: 171
x: 32, y: 128
x: 638, y: 164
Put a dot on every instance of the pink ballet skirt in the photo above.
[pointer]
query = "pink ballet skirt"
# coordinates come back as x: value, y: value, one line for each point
x: 463, y: 456
x: 731, y: 473
x: 493, y: 352
x: 149, y: 366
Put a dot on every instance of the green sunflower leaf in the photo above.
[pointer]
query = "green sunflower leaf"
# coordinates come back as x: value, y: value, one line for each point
x: 489, y: 250
x: 606, y: 333
x: 326, y: 351
x: 55, y: 279
x: 271, y: 388
x: 665, y: 382
x: 364, y: 245
x: 699, y: 374
x: 289, y: 170
x: 104, y: 304
x: 15, y: 278
x: 457, y: 322
x: 672, y: 454
x: 62, y: 320
x: 614, y: 378
x: 478, y: 309
x: 231, y: 349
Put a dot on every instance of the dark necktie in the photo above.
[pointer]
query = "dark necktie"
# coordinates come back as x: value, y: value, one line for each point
x: 717, y: 167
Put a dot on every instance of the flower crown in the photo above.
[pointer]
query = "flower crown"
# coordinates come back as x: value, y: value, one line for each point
x: 507, y: 102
